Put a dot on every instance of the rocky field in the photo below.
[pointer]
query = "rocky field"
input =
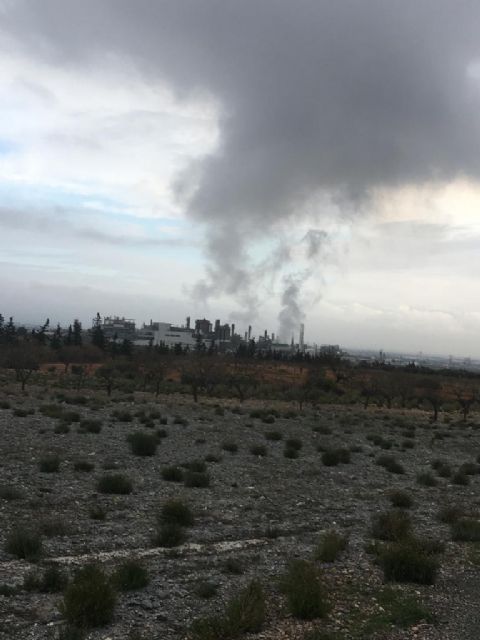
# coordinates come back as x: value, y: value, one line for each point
x: 261, y: 486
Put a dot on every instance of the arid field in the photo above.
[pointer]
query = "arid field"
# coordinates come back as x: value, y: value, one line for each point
x: 218, y: 520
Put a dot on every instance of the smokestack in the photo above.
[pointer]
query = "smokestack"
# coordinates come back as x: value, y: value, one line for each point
x: 265, y: 335
x: 246, y: 336
x: 233, y: 330
x: 273, y: 337
x: 249, y: 331
x: 188, y: 322
x: 302, y: 337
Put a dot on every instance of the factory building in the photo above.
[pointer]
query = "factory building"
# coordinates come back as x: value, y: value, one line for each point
x: 115, y: 328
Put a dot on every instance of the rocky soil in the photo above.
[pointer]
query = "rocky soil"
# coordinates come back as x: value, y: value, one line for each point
x: 260, y: 511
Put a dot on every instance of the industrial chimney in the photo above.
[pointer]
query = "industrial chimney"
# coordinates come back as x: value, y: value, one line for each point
x: 302, y: 337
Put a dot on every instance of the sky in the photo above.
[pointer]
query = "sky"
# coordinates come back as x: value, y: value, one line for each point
x: 266, y: 162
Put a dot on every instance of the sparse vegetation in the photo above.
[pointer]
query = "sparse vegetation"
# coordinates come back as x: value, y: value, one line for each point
x: 49, y: 464
x: 89, y: 600
x: 172, y: 474
x: 400, y: 499
x: 115, y: 483
x: 334, y: 457
x: 391, y: 526
x: 331, y: 546
x: 24, y: 543
x: 195, y: 479
x: 466, y: 530
x: 131, y: 575
x: 143, y: 444
x: 304, y: 590
x: 84, y: 466
x: 408, y: 560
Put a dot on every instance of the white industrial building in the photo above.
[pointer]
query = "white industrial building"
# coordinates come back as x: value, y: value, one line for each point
x: 169, y: 335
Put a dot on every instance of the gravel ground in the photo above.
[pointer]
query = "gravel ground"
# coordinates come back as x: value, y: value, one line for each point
x: 262, y: 511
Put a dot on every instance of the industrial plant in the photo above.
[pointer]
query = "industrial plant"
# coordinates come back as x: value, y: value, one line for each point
x: 221, y: 336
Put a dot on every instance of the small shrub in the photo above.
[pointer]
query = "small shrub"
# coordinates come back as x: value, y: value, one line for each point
x: 161, y: 433
x: 448, y: 514
x: 324, y: 430
x: 143, y: 444
x: 194, y: 479
x: 290, y: 453
x: 90, y: 426
x: 245, y: 613
x: 22, y: 413
x: 10, y: 493
x: 24, y: 543
x: 169, y: 534
x: 181, y: 421
x: 206, y: 590
x: 391, y: 526
x: 401, y: 499
x: 272, y: 532
x: 211, y: 457
x: 233, y: 566
x: 61, y: 428
x: 274, y: 436
x: 5, y: 589
x: 390, y: 464
x: 293, y: 443
x: 406, y: 561
x: 258, y: 450
x: 269, y: 419
x: 231, y: 447
x: 83, y: 466
x: 397, y: 609
x: 444, y: 471
x: 426, y: 479
x: 49, y: 464
x: 304, y: 590
x: 97, y: 513
x: 5, y: 404
x: 466, y: 530
x: 199, y: 466
x: 331, y: 546
x: 469, y: 468
x: 52, y: 580
x: 460, y: 478
x: 334, y: 457
x: 176, y: 512
x: 115, y: 483
x: 172, y: 474
x: 54, y: 527
x: 131, y: 575
x: 90, y: 599
x: 122, y: 416
x: 70, y: 416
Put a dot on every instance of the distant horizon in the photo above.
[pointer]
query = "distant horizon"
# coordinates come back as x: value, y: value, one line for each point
x: 346, y: 347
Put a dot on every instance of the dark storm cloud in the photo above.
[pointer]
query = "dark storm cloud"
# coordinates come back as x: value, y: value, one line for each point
x: 314, y: 96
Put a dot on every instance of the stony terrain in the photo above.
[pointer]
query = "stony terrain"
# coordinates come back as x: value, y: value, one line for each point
x: 258, y: 510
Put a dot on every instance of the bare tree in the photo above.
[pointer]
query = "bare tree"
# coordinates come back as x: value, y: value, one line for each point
x: 24, y: 358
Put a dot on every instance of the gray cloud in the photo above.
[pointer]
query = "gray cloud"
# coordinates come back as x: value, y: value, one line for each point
x: 314, y: 96
x: 59, y: 223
